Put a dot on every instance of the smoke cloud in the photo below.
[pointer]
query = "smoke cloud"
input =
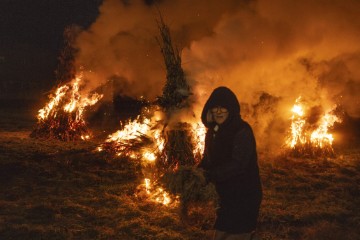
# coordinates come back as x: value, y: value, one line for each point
x: 268, y: 52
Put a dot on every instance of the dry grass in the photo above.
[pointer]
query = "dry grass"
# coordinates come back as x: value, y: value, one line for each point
x: 57, y: 190
x: 311, y: 198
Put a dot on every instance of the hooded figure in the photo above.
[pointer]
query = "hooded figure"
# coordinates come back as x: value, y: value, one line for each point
x: 230, y: 162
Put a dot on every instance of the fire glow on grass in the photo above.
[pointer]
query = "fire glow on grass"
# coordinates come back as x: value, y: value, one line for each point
x: 62, y: 117
x: 143, y: 138
x: 309, y: 140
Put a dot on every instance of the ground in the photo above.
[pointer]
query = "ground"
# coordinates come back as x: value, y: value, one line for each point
x: 68, y: 190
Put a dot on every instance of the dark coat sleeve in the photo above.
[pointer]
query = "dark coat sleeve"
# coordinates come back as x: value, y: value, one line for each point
x: 243, y: 154
x: 205, y: 162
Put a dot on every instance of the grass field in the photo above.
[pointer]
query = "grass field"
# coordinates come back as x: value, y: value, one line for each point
x: 59, y: 190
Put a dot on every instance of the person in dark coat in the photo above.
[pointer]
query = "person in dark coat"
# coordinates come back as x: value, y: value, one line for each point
x: 230, y: 162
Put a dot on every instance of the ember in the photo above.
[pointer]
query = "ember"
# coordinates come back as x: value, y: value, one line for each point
x: 306, y: 139
x: 63, y: 116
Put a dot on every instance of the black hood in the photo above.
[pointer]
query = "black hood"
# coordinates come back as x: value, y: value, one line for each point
x: 224, y: 97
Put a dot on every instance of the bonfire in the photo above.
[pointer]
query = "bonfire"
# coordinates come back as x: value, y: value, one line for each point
x: 62, y: 117
x: 167, y: 149
x: 310, y: 140
x: 144, y: 139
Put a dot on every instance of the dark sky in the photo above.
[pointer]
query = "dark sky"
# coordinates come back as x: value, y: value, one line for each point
x: 31, y: 37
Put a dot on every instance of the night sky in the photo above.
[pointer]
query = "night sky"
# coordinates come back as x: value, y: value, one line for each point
x: 31, y: 37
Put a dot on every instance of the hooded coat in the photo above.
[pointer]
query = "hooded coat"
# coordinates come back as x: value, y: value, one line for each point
x: 230, y: 162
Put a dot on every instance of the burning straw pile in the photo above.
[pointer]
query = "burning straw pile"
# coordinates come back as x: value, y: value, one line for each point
x: 63, y: 116
x: 310, y: 140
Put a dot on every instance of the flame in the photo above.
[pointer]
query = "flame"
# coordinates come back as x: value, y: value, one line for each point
x: 302, y: 137
x: 134, y: 132
x: 160, y: 141
x: 297, y: 125
x: 85, y: 137
x: 149, y: 156
x: 72, y: 100
x: 131, y: 134
x: 147, y: 185
x: 131, y: 131
x: 59, y: 94
x: 320, y: 136
x: 62, y: 117
x: 198, y: 131
x: 159, y: 195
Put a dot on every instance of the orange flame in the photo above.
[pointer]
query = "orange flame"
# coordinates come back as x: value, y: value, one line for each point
x: 320, y: 136
x: 158, y: 194
x: 297, y: 125
x: 198, y: 131
x: 72, y: 100
x: 149, y: 127
x: 300, y: 136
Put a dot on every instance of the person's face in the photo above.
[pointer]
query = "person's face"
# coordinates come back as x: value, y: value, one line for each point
x: 220, y: 114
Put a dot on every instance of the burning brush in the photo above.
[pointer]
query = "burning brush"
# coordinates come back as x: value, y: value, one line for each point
x: 146, y: 139
x: 168, y: 150
x: 63, y: 116
x: 310, y: 139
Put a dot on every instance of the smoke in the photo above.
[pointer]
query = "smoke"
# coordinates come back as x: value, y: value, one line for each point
x: 283, y: 49
x: 121, y: 44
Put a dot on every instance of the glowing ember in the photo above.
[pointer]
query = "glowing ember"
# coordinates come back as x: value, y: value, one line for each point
x: 305, y: 139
